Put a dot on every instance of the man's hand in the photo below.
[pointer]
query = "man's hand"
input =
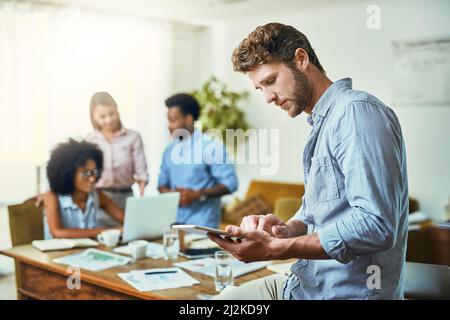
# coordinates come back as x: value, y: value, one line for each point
x: 268, y: 223
x: 188, y: 196
x: 259, y: 245
x: 255, y: 245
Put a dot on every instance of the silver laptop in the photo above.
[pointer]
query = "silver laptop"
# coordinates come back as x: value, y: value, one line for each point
x: 147, y: 217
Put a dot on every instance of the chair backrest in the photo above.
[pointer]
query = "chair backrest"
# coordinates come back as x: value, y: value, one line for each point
x: 286, y: 207
x: 271, y: 191
x: 25, y: 222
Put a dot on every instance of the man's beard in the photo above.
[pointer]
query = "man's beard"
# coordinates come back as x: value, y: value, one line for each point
x: 302, y: 91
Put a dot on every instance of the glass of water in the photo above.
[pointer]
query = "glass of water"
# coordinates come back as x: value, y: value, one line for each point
x: 171, y: 243
x: 224, y: 272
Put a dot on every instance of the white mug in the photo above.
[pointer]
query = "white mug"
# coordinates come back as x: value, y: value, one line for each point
x: 109, y: 238
x: 138, y: 249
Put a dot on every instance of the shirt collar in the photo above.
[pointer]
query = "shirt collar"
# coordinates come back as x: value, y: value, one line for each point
x: 326, y: 100
x: 120, y: 132
x: 196, y: 134
x: 67, y: 201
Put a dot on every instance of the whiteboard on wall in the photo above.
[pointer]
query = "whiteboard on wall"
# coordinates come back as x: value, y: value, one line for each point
x: 421, y: 73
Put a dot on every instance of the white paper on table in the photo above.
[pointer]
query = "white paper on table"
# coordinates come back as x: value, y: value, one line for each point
x: 207, y: 266
x: 62, y: 244
x: 93, y: 260
x: 154, y: 250
x: 143, y: 282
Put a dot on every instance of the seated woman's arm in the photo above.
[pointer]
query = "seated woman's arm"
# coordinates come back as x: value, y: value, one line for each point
x: 110, y: 207
x: 54, y: 221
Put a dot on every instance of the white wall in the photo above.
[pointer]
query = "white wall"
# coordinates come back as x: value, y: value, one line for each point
x: 150, y: 61
x: 346, y: 47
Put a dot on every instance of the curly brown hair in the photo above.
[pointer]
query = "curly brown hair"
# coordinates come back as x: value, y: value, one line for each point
x: 272, y: 42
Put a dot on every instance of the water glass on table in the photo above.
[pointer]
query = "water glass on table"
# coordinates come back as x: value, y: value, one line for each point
x: 171, y: 243
x: 224, y: 271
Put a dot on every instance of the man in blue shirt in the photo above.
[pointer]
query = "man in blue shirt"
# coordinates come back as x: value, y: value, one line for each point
x: 349, y: 235
x: 194, y: 164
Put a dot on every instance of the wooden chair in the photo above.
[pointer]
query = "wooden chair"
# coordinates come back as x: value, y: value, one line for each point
x: 272, y: 190
x: 287, y: 207
x: 26, y: 222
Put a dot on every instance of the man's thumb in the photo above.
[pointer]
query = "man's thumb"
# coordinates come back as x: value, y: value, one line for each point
x: 280, y: 231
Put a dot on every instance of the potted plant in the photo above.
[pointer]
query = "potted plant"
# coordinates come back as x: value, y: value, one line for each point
x: 219, y: 107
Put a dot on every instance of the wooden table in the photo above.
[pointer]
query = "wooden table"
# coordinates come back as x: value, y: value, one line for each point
x: 38, y: 277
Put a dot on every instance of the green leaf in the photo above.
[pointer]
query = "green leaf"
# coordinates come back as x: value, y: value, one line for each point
x: 219, y: 106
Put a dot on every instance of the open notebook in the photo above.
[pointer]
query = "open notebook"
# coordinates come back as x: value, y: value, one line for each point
x: 63, y: 244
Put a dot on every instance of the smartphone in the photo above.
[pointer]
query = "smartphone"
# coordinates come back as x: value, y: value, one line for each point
x: 194, y: 228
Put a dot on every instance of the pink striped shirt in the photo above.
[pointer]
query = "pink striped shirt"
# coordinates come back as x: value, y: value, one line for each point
x: 123, y: 158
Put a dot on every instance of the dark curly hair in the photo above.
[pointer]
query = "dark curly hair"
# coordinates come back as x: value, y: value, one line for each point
x: 187, y: 103
x: 272, y: 42
x: 64, y: 161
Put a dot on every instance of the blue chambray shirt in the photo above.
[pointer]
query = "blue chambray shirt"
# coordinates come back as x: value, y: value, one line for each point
x: 71, y: 215
x: 356, y: 199
x: 207, y: 165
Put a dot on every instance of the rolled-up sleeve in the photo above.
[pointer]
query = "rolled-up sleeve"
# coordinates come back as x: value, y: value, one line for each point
x: 164, y: 173
x: 140, y: 164
x: 367, y: 145
x: 300, y: 214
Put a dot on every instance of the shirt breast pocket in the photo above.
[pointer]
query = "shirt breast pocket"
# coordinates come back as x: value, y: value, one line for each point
x: 322, y: 184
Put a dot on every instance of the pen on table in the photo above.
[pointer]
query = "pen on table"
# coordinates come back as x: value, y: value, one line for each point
x: 199, y: 239
x: 161, y: 272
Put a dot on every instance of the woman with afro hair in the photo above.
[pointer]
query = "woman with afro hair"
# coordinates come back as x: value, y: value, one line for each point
x: 72, y: 204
